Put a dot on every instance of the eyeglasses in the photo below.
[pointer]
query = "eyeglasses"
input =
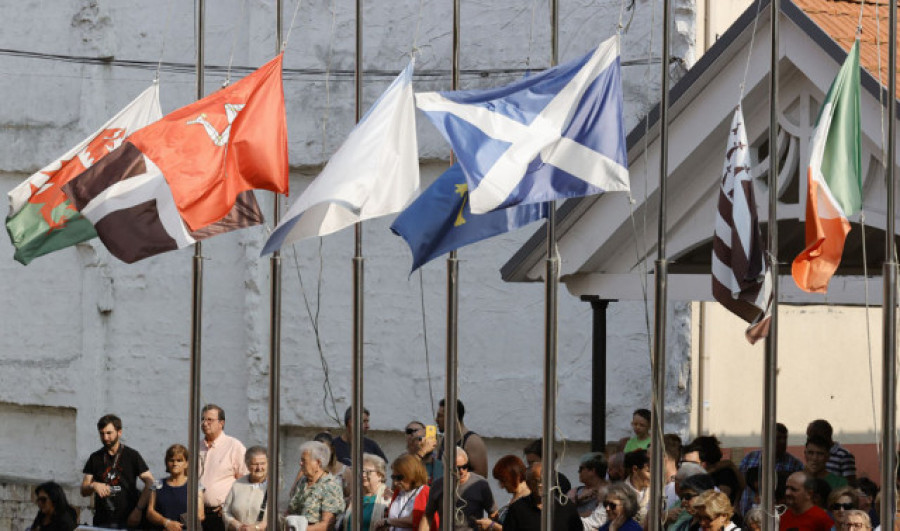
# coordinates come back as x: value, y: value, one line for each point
x: 411, y: 431
x: 397, y: 477
x: 855, y: 525
x: 611, y: 505
x: 844, y: 506
x: 368, y: 471
x: 464, y: 466
x: 41, y: 499
x: 688, y: 497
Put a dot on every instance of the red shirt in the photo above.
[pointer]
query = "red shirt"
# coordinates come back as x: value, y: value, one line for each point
x: 814, y: 519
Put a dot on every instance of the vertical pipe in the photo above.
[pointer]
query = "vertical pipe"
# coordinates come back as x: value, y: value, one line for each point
x: 448, y: 502
x: 770, y: 367
x: 275, y: 340
x: 598, y: 372
x: 356, y: 444
x: 658, y: 367
x: 889, y: 325
x: 551, y: 289
x: 196, y: 319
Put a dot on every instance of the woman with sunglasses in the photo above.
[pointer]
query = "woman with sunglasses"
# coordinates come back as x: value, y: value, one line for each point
x: 840, y: 501
x: 54, y: 511
x: 622, y: 507
x: 410, y: 494
x: 714, y: 511
x: 688, y: 489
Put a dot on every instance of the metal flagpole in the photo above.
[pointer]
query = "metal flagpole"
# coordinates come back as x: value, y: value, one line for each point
x: 196, y: 320
x: 551, y: 289
x: 770, y: 368
x: 448, y: 501
x: 356, y: 444
x: 275, y: 340
x: 658, y: 367
x: 889, y: 324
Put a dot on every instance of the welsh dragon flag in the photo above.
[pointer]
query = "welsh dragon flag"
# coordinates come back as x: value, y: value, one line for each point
x: 834, y: 189
x: 41, y: 217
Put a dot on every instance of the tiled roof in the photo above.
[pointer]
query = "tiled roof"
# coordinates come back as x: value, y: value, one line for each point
x: 840, y: 18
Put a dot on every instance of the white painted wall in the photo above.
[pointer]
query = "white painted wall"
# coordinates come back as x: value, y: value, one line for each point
x: 83, y: 332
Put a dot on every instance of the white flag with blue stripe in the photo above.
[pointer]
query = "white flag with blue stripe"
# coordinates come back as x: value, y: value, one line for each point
x: 554, y: 135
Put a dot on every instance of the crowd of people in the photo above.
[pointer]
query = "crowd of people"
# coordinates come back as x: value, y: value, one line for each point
x: 703, y: 490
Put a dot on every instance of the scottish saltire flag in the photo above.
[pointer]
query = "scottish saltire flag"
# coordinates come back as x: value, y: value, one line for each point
x: 374, y: 173
x: 834, y: 180
x: 440, y: 220
x: 554, y: 135
x: 741, y: 278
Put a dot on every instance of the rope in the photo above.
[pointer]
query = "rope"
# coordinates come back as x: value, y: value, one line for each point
x: 328, y: 393
x: 425, y: 339
x: 415, y: 44
x: 325, y: 116
x: 162, y: 47
x: 750, y: 51
x: 293, y: 19
x: 530, y: 36
x: 233, y: 45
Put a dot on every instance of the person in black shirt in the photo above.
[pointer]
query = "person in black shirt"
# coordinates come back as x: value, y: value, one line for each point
x: 525, y: 513
x: 341, y: 443
x: 111, y: 474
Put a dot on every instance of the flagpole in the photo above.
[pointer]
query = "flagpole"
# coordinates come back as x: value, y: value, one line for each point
x: 275, y: 339
x: 658, y: 367
x: 450, y: 395
x: 356, y: 444
x: 551, y: 290
x: 196, y: 322
x: 889, y: 323
x: 770, y: 364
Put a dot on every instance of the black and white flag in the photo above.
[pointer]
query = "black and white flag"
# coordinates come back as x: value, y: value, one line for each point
x: 741, y: 279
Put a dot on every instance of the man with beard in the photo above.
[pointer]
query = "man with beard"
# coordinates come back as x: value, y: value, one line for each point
x: 110, y: 475
x: 802, y: 514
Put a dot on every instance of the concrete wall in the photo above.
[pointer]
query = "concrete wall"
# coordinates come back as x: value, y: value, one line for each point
x: 84, y: 334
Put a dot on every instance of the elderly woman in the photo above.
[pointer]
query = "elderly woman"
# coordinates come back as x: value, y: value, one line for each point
x: 318, y: 498
x: 375, y: 496
x: 688, y: 489
x: 410, y: 494
x: 753, y: 519
x: 54, y: 511
x: 622, y: 507
x: 509, y: 471
x: 840, y: 501
x: 245, y: 507
x: 168, y: 499
x: 714, y: 511
x: 856, y: 520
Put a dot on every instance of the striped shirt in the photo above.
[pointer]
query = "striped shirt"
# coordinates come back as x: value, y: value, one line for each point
x: 841, y: 462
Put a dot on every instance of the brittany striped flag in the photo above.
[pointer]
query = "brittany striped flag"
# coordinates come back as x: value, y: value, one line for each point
x: 834, y: 186
x: 741, y: 280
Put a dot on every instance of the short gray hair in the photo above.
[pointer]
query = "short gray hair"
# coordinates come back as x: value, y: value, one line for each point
x: 377, y: 463
x: 626, y: 495
x: 318, y: 451
x: 754, y: 516
x: 254, y: 451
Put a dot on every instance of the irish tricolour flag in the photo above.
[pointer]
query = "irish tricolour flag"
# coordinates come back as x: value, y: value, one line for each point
x: 834, y: 189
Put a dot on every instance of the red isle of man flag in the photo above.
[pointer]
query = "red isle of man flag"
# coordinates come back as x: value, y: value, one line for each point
x: 191, y: 174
